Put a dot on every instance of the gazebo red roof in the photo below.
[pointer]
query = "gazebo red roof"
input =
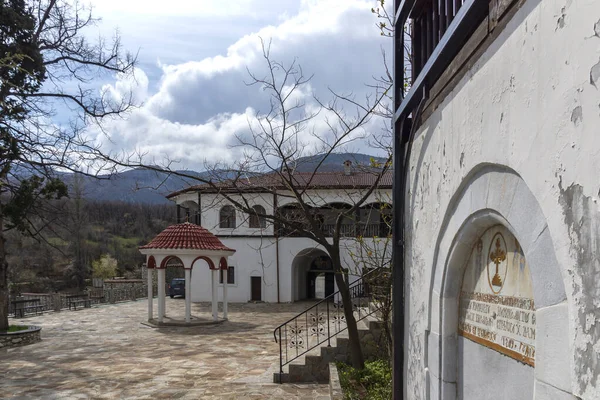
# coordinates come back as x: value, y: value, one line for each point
x: 186, y: 236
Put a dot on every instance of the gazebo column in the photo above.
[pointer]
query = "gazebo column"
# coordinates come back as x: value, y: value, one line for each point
x: 224, y: 298
x: 161, y: 294
x: 215, y: 310
x: 188, y: 295
x: 150, y: 300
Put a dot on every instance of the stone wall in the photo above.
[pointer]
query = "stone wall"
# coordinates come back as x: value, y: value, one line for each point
x: 111, y: 293
x: 335, y: 388
x: 20, y: 338
x: 123, y: 290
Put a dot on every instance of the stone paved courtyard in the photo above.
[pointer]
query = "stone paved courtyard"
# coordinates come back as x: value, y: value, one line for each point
x: 107, y: 353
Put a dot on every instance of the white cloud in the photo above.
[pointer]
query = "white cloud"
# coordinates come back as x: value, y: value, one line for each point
x: 199, y: 106
x: 132, y: 87
x: 206, y: 8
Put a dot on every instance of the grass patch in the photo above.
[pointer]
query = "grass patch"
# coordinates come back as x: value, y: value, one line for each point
x: 58, y: 242
x: 374, y: 382
x: 16, y: 328
x: 131, y: 242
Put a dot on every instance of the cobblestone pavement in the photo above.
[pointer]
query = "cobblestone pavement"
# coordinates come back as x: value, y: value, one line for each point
x: 105, y: 352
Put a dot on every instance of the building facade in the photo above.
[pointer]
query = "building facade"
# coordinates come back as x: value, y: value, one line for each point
x: 273, y: 263
x: 501, y: 216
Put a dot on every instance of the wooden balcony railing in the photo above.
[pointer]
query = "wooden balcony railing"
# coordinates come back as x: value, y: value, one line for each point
x: 431, y: 19
x: 366, y: 230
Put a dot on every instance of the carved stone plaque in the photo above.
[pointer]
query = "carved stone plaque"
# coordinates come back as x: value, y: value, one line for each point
x: 496, y: 306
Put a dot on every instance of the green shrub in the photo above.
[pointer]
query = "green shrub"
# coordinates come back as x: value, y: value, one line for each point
x: 374, y: 382
x: 105, y: 267
x: 16, y: 328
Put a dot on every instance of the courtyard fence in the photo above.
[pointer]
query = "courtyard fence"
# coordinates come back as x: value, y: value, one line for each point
x: 109, y: 294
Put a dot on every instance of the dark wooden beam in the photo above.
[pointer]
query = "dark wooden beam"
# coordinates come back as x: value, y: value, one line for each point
x: 466, y: 21
x: 403, y: 10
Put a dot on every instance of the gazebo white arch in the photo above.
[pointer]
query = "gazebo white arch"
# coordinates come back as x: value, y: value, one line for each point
x: 186, y: 243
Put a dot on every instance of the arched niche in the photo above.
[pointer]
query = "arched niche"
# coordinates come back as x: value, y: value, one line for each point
x: 489, y: 196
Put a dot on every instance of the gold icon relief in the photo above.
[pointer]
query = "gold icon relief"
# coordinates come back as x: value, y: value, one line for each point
x: 497, y: 255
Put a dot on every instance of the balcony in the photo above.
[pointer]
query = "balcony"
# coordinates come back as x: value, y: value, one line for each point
x: 430, y: 20
x: 365, y: 230
x: 436, y: 30
x: 368, y: 221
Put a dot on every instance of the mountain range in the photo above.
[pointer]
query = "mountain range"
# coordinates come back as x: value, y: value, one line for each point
x: 150, y: 187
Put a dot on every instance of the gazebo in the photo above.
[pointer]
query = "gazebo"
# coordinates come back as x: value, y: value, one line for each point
x: 181, y: 245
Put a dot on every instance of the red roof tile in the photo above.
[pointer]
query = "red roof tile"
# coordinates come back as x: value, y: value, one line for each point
x: 186, y: 236
x: 301, y: 180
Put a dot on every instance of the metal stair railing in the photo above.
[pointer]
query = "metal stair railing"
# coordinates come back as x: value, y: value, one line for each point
x: 323, y: 320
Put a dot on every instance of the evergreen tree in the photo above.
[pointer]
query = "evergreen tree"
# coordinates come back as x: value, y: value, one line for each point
x: 41, y: 47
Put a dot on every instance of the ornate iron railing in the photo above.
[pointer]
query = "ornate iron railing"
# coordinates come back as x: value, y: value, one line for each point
x: 324, y: 320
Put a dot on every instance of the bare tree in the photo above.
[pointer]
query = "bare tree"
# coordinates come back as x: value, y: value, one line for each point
x: 372, y: 254
x: 289, y: 130
x: 47, y: 64
x: 77, y: 227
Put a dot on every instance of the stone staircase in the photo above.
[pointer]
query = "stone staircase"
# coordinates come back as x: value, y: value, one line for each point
x: 314, y: 365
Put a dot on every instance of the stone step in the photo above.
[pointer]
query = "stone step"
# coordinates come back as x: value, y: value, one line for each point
x: 313, y: 366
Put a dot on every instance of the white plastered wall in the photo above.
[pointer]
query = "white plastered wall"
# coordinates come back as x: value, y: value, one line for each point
x: 257, y: 257
x: 212, y: 203
x: 516, y: 133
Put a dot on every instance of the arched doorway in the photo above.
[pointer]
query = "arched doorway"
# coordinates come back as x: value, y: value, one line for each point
x: 312, y: 275
x: 173, y: 270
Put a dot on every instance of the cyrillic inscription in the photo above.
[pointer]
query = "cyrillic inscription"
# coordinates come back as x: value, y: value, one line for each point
x: 496, y: 301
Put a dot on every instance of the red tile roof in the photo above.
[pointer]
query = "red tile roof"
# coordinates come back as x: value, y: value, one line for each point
x: 301, y: 180
x: 186, y: 236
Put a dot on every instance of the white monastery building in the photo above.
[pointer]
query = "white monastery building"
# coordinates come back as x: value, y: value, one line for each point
x: 273, y: 263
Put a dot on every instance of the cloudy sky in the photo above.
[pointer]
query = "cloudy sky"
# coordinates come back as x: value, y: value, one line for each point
x: 194, y: 57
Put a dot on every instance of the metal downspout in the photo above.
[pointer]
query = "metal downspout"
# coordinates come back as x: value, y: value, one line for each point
x: 276, y: 244
x: 199, y: 209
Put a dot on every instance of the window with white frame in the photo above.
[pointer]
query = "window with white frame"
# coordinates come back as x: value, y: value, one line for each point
x: 256, y: 219
x: 227, y: 217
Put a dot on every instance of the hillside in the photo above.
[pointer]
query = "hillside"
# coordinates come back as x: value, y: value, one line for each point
x: 150, y: 187
x: 133, y: 186
x: 334, y: 162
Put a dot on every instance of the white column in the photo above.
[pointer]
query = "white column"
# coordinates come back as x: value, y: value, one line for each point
x: 150, y: 273
x: 161, y: 294
x: 188, y: 296
x: 225, y: 296
x: 215, y: 310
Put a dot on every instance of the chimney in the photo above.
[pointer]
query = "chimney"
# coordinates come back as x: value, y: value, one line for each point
x: 347, y: 167
x: 290, y: 167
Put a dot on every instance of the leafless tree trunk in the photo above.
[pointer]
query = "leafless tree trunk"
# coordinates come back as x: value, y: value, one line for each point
x: 4, y: 300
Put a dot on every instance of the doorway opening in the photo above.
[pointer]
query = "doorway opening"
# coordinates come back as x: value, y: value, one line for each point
x: 255, y: 288
x: 313, y: 275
